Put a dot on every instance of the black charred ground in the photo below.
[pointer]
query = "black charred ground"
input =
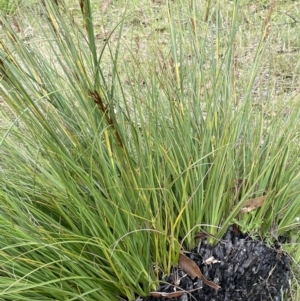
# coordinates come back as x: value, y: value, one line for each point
x: 246, y: 269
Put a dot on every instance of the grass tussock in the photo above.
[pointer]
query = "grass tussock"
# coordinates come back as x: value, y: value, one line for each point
x: 112, y: 159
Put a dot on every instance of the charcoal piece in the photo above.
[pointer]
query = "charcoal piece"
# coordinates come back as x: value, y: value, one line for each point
x: 248, y: 270
x: 219, y: 252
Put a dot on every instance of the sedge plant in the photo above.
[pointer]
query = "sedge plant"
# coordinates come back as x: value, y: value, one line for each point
x: 104, y: 183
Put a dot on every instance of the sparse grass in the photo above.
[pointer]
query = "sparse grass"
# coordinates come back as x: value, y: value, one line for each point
x: 122, y: 139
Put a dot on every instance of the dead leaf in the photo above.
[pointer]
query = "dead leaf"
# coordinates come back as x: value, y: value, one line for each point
x: 105, y: 5
x: 252, y: 204
x: 190, y: 267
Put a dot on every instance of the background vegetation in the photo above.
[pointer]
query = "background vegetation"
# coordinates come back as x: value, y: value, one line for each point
x: 120, y: 140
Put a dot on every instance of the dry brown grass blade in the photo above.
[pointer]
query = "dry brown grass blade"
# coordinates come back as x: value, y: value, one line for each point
x: 201, y: 235
x: 191, y: 268
x: 252, y: 204
x: 167, y: 295
x: 104, y: 5
x: 173, y: 294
